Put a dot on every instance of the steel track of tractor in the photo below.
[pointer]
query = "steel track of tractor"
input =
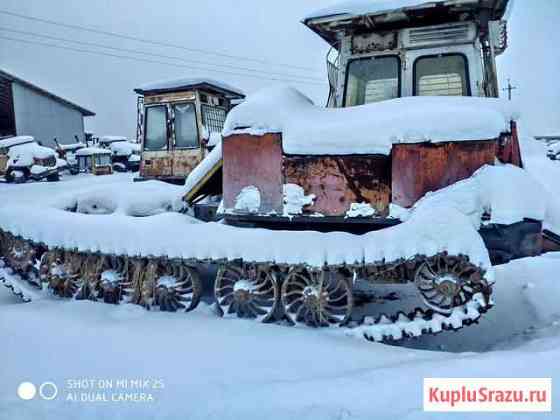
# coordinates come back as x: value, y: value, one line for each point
x: 455, y: 290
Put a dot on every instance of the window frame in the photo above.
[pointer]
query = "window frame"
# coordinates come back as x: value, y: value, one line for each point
x: 452, y: 54
x: 146, y: 128
x: 373, y: 57
x: 174, y: 134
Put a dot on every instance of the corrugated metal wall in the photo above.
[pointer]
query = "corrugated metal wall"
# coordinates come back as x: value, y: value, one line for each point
x: 44, y: 118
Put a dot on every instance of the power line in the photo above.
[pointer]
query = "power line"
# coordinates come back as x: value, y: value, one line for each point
x: 94, y: 44
x: 148, y: 41
x: 145, y: 60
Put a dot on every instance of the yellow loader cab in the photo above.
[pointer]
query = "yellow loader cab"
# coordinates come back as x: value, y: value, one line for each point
x: 179, y: 121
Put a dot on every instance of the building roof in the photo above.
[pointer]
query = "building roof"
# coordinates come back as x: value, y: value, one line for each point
x: 85, y: 112
x: 174, y: 85
x: 379, y: 14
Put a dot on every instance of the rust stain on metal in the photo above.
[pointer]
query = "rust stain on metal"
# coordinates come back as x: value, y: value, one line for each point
x: 3, y: 164
x: 508, y: 149
x: 184, y: 161
x: 169, y: 97
x: 155, y: 165
x: 102, y: 170
x: 253, y: 161
x: 339, y: 181
x: 423, y: 167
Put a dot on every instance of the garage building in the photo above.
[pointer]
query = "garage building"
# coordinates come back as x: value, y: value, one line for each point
x: 26, y: 109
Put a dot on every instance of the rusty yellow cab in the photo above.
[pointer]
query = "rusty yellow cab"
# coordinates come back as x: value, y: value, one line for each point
x: 94, y: 160
x: 179, y: 121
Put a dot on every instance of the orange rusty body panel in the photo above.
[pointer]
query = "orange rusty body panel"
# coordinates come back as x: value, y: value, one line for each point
x: 253, y: 161
x: 177, y: 163
x: 509, y: 150
x: 184, y: 161
x: 339, y: 181
x: 156, y: 164
x: 3, y: 163
x: 423, y: 167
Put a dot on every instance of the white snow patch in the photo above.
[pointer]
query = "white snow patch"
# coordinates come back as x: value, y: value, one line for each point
x: 14, y: 141
x: 203, y: 168
x: 124, y: 148
x: 88, y: 151
x: 360, y: 210
x: 507, y: 193
x: 25, y: 154
x: 249, y: 199
x: 312, y: 130
x: 295, y: 199
x: 136, y: 199
x: 355, y: 8
x: 547, y: 172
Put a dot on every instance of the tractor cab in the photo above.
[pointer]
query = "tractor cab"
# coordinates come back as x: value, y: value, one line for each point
x: 178, y: 122
x: 391, y: 49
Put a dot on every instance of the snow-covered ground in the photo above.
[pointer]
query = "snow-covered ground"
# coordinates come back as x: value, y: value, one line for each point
x: 199, y: 366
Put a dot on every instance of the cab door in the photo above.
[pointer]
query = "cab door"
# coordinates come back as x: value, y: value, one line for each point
x: 156, y: 153
x: 186, y: 150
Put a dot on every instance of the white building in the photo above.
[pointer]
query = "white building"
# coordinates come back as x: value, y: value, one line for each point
x: 26, y: 109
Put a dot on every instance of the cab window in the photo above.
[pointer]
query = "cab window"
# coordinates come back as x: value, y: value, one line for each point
x: 186, y: 131
x: 372, y: 79
x: 156, y: 128
x: 442, y: 75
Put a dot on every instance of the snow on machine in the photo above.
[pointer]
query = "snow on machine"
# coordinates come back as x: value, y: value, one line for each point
x: 409, y: 179
x: 67, y: 153
x: 178, y: 122
x: 125, y: 154
x: 94, y: 160
x: 22, y: 159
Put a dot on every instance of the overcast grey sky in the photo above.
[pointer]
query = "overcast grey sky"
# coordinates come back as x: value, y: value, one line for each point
x: 268, y: 31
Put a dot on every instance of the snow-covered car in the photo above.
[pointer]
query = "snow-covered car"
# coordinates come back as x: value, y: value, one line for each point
x: 22, y: 158
x: 125, y: 154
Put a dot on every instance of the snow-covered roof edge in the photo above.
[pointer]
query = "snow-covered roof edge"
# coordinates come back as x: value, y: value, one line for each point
x: 85, y: 112
x: 357, y: 8
x: 12, y: 141
x: 189, y: 83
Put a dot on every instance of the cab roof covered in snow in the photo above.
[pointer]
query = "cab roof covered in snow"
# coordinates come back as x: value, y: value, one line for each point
x: 211, y: 85
x: 89, y: 151
x: 371, y: 15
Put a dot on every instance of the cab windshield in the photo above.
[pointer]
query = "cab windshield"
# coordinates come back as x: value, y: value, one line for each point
x: 372, y: 79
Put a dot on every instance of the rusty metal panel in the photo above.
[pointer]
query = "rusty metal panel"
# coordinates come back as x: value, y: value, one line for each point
x: 508, y: 149
x: 156, y: 164
x: 422, y: 167
x: 184, y: 161
x: 3, y: 163
x: 257, y: 161
x: 339, y: 181
x: 169, y: 97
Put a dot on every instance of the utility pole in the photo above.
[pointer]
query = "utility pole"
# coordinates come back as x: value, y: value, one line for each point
x: 510, y: 88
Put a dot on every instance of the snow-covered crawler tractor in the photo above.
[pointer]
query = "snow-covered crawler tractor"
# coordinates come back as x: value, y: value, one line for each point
x: 389, y: 193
